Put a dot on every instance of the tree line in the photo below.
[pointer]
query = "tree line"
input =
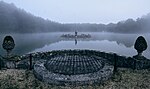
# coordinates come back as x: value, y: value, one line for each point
x: 15, y: 20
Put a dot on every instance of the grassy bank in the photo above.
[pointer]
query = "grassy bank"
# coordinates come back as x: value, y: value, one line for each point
x: 124, y: 79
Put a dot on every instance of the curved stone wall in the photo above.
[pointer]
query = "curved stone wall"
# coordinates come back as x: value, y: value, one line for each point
x: 44, y: 75
x: 121, y: 61
x: 111, y: 58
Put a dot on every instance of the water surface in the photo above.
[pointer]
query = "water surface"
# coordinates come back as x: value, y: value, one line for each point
x: 121, y: 44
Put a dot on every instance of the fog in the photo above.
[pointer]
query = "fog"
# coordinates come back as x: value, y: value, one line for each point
x: 16, y: 20
x: 33, y: 31
x: 109, y: 42
x: 85, y: 11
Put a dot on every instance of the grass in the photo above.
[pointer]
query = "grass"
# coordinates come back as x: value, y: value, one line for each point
x: 123, y: 79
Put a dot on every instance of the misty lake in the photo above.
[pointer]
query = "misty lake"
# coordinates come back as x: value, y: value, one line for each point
x: 121, y: 44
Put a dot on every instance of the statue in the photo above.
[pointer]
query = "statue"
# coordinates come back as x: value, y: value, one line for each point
x: 8, y: 44
x: 140, y: 45
x: 76, y: 33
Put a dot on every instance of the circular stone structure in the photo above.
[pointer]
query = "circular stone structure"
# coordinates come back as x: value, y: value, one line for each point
x: 78, y: 69
x: 74, y: 65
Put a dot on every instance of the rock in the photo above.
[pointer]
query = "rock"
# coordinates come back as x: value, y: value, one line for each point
x: 23, y: 64
x: 9, y: 64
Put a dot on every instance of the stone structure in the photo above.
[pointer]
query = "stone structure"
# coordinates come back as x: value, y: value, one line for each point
x: 91, y: 75
x: 76, y: 33
x: 140, y: 46
x: 73, y: 69
x: 22, y: 62
x: 8, y: 44
x: 80, y: 67
x: 74, y: 64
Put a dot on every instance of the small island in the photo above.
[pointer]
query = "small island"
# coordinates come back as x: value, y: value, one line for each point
x: 76, y: 35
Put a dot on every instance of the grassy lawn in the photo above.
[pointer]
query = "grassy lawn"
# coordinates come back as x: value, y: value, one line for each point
x: 123, y: 79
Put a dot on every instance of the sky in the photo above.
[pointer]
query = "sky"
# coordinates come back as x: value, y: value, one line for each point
x: 85, y: 11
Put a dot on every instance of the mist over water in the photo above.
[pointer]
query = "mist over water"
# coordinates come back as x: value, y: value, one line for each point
x: 36, y: 34
x: 121, y: 44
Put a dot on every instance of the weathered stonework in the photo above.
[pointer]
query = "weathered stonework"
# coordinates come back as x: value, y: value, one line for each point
x: 74, y: 64
x: 47, y: 76
x: 121, y: 61
x: 111, y: 59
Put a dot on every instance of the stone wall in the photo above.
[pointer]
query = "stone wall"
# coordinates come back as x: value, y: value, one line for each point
x: 49, y: 77
x: 121, y: 61
x: 42, y: 73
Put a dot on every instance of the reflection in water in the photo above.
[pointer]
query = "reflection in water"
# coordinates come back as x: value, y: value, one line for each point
x: 109, y: 42
x: 26, y: 43
x: 103, y: 45
x: 76, y: 41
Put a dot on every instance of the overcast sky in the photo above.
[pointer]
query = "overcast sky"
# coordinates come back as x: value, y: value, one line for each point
x: 85, y: 11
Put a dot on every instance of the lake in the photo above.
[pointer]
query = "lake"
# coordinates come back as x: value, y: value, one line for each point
x: 121, y: 44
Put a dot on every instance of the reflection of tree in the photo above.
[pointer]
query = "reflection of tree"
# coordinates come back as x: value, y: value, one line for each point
x: 27, y: 43
x: 127, y: 40
x: 35, y: 43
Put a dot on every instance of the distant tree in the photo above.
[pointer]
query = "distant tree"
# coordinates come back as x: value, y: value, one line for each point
x: 15, y: 20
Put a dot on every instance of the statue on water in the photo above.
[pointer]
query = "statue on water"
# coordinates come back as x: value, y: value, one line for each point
x: 140, y: 45
x: 8, y: 44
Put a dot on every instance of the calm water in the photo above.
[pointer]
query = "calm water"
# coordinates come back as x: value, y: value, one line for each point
x: 109, y: 42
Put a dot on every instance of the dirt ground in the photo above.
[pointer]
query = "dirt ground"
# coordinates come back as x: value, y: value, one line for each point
x: 123, y: 79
